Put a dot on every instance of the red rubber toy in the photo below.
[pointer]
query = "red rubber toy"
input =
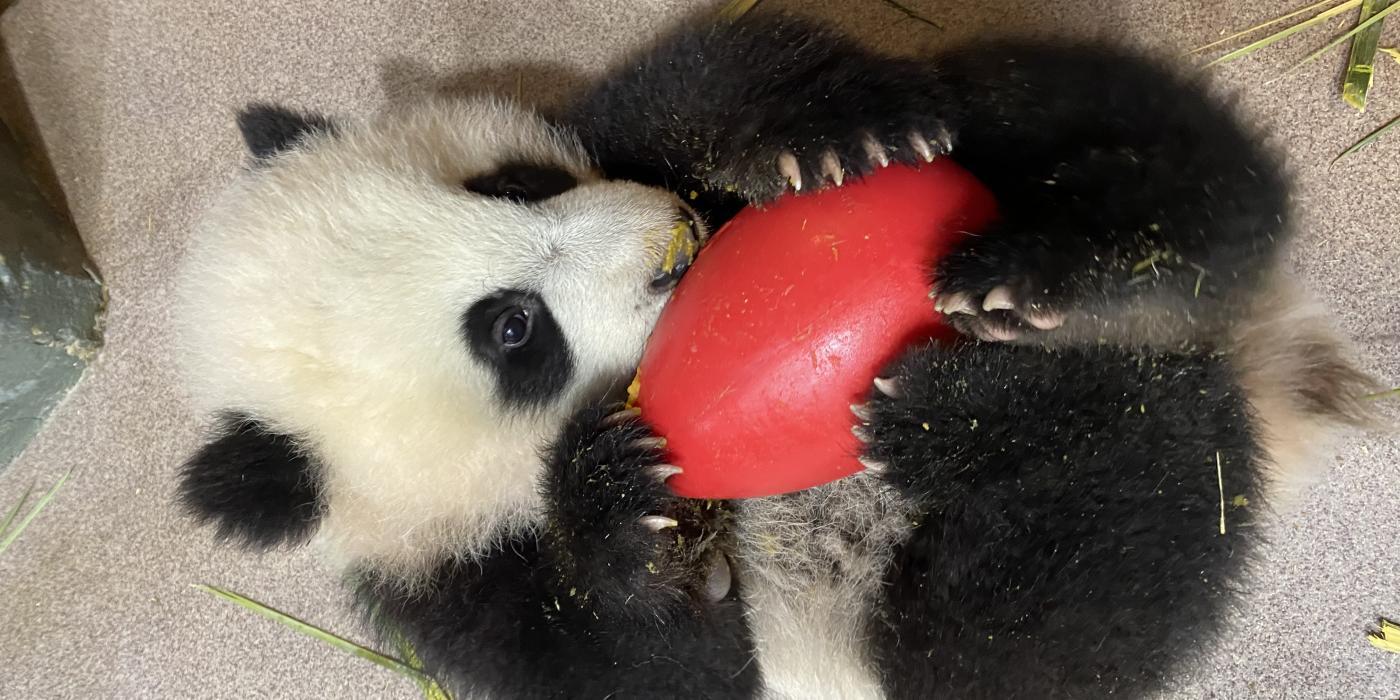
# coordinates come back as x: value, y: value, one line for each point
x: 784, y: 321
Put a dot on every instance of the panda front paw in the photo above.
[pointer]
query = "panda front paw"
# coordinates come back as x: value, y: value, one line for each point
x: 1005, y: 287
x: 619, y: 538
x: 852, y: 114
x: 910, y: 424
x: 820, y: 162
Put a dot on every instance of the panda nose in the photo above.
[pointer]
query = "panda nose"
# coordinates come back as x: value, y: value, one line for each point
x: 680, y: 254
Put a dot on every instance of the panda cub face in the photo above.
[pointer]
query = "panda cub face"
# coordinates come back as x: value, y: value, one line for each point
x: 418, y: 301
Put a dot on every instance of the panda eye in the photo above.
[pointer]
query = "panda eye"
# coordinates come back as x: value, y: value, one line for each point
x: 522, y: 182
x: 512, y: 328
x: 513, y: 336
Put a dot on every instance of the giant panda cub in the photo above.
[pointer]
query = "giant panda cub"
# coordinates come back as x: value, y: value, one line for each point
x: 414, y: 329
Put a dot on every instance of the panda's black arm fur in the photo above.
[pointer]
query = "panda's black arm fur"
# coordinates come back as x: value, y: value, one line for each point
x: 1068, y: 512
x: 256, y: 486
x: 1118, y: 180
x: 556, y: 613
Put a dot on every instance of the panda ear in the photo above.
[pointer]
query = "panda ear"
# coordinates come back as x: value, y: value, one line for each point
x: 270, y: 129
x: 254, y: 485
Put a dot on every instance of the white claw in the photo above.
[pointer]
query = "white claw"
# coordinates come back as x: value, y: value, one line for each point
x: 831, y: 167
x: 871, y: 465
x: 944, y: 139
x: 622, y: 416
x: 980, y: 330
x: 921, y: 147
x: 719, y: 580
x: 862, y: 412
x: 876, y: 152
x: 662, y: 472
x: 889, y: 386
x: 999, y: 333
x: 657, y: 523
x: 956, y: 303
x: 860, y: 433
x: 1046, y: 320
x: 789, y: 168
x: 999, y: 299
x: 651, y: 443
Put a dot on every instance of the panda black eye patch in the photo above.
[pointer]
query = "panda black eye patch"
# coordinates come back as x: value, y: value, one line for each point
x: 522, y: 182
x: 513, y: 333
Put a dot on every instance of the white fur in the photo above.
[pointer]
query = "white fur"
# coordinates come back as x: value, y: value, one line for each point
x: 811, y: 563
x: 323, y: 295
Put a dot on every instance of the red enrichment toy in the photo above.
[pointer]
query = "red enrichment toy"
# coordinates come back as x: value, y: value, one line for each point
x: 784, y: 321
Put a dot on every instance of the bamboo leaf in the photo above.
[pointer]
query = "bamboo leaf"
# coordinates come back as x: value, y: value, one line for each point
x: 315, y: 632
x: 734, y: 9
x: 1392, y: 52
x: 1370, y: 138
x: 10, y: 516
x: 1261, y: 25
x: 431, y: 689
x: 1387, y: 637
x: 39, y: 506
x: 1372, y: 20
x: 912, y: 14
x: 1281, y: 35
x: 1361, y: 63
x: 1388, y: 394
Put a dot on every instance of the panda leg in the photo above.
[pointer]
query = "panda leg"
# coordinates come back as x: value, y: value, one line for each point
x: 1082, y: 517
x: 1134, y: 206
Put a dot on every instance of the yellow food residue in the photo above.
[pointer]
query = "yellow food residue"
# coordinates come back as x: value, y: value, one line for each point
x: 633, y: 390
x: 1387, y: 637
x: 681, y: 241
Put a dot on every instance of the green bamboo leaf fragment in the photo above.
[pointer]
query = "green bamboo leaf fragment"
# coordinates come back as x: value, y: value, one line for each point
x: 1290, y: 31
x: 1370, y: 138
x: 734, y: 9
x: 1372, y: 20
x: 33, y: 513
x: 1361, y: 64
x: 315, y: 632
x: 10, y: 516
x: 1261, y: 25
x: 1387, y: 394
x: 431, y: 689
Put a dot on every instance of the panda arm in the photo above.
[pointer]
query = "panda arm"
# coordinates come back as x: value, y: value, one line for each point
x: 1068, y: 513
x: 253, y: 484
x: 713, y: 106
x: 1119, y: 180
x: 1122, y: 184
x: 595, y: 594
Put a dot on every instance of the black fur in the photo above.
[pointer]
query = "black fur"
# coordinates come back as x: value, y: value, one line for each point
x: 711, y: 108
x: 532, y: 374
x: 271, y: 129
x: 1121, y: 183
x: 1068, y: 541
x: 254, y: 485
x: 594, y: 606
x: 1144, y: 193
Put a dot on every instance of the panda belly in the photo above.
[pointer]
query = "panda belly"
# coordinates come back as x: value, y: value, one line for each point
x: 810, y: 566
